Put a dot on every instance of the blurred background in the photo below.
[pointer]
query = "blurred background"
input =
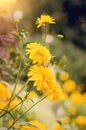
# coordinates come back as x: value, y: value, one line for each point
x: 70, y: 17
x: 69, y: 52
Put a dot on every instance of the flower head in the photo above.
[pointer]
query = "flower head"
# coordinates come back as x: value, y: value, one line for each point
x: 42, y: 77
x: 45, y: 82
x: 81, y: 120
x: 69, y: 86
x: 64, y: 76
x: 43, y: 20
x: 38, y: 53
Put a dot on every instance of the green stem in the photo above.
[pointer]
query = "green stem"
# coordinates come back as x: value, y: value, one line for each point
x: 27, y: 111
x: 12, y: 96
x: 13, y: 99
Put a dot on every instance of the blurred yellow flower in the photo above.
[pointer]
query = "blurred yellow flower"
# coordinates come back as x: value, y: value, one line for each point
x: 81, y: 120
x: 38, y: 53
x: 45, y: 81
x: 69, y: 86
x: 65, y: 96
x: 57, y: 126
x: 43, y: 20
x: 64, y: 76
x: 84, y: 96
x: 5, y: 94
x: 34, y: 123
x: 66, y: 120
x: 76, y: 97
x: 72, y: 110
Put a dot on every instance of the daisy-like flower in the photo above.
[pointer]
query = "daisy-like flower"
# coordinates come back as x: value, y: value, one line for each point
x: 45, y: 81
x: 42, y: 77
x: 38, y: 53
x: 43, y: 20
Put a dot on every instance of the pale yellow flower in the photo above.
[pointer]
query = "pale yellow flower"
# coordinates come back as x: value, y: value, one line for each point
x: 43, y: 20
x: 38, y: 53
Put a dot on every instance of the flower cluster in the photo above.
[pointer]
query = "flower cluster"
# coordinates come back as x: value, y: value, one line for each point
x: 42, y: 76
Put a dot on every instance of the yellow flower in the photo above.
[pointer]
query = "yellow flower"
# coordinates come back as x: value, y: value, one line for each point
x: 69, y: 86
x: 45, y: 81
x: 34, y: 123
x: 76, y: 97
x: 84, y: 96
x: 66, y: 120
x: 72, y: 110
x: 64, y: 76
x: 42, y: 77
x: 38, y: 53
x: 81, y: 120
x: 57, y: 126
x: 55, y: 94
x: 5, y: 94
x: 43, y: 20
